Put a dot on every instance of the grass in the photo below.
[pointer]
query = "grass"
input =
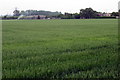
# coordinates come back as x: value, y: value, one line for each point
x: 60, y: 48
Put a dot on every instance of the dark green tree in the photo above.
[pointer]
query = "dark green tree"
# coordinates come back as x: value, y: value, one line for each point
x: 38, y: 17
x: 114, y: 14
x: 88, y: 13
x: 77, y: 16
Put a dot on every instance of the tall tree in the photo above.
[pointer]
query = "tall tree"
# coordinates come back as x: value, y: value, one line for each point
x: 16, y: 12
x: 88, y: 13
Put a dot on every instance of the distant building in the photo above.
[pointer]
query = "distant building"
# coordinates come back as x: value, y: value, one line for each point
x: 33, y: 17
x: 104, y: 14
x: 117, y: 17
x: 107, y: 14
x: 40, y: 16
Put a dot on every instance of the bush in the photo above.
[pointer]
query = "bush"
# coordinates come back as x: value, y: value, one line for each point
x: 105, y: 17
x: 9, y: 17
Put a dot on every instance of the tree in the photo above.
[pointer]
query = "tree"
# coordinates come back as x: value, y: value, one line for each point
x: 114, y: 14
x: 5, y: 17
x: 88, y: 13
x: 16, y: 12
x: 77, y: 16
x: 38, y: 17
x: 68, y: 16
x: 39, y: 12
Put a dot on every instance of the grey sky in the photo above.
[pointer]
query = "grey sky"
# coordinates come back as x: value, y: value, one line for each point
x: 7, y: 6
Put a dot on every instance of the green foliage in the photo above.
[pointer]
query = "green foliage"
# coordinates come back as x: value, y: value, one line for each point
x: 40, y: 12
x: 105, y: 17
x: 88, y: 13
x: 60, y: 48
x: 9, y: 17
x: 69, y: 16
x: 115, y: 13
x: 77, y: 16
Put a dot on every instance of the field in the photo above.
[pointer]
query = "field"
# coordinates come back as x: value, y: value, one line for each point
x: 86, y: 48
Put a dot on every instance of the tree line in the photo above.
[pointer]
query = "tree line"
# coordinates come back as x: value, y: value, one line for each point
x: 40, y: 12
x: 87, y: 13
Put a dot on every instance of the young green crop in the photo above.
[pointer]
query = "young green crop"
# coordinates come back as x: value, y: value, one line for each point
x: 60, y: 48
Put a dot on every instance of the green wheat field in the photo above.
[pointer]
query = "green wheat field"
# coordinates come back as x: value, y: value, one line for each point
x: 71, y: 48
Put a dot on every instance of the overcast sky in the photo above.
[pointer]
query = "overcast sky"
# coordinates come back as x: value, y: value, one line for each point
x: 71, y: 6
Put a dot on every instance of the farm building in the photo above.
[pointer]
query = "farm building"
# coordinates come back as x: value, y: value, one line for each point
x: 32, y: 17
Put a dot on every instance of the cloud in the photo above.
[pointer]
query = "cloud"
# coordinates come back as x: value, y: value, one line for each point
x: 72, y: 6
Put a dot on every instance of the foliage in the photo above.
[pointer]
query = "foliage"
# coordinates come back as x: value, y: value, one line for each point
x: 41, y: 12
x: 77, y: 16
x: 16, y: 13
x: 88, y: 13
x: 84, y: 13
x: 115, y: 13
x: 9, y: 17
x: 105, y: 17
x: 69, y: 16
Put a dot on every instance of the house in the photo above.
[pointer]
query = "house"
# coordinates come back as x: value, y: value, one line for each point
x: 107, y: 14
x: 104, y: 14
